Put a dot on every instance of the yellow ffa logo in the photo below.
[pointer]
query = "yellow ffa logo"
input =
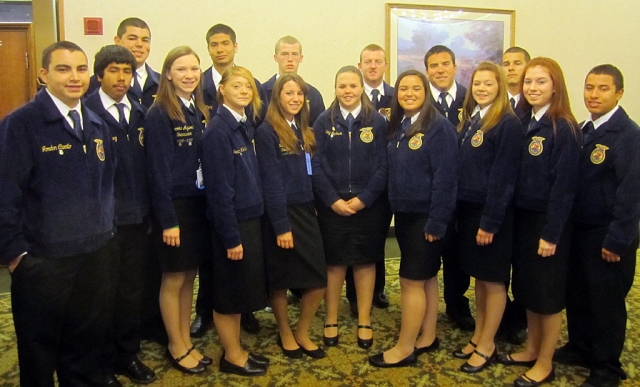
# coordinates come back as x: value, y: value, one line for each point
x: 141, y: 136
x: 366, y: 135
x: 308, y: 104
x: 99, y: 149
x: 386, y: 113
x: 536, y: 147
x: 416, y: 141
x: 209, y: 107
x: 460, y: 114
x: 598, y: 154
x: 477, y: 139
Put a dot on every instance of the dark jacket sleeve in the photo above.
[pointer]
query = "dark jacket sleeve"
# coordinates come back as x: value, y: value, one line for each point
x: 443, y: 157
x: 322, y: 187
x: 378, y: 182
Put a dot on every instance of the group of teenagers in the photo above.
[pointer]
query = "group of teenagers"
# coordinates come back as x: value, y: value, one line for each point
x: 261, y: 190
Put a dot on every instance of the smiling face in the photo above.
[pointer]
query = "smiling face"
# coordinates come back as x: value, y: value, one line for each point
x: 222, y: 50
x: 291, y: 99
x: 441, y: 71
x: 237, y: 93
x: 185, y: 75
x: 67, y: 76
x: 484, y: 88
x: 538, y: 87
x: 373, y: 66
x: 138, y: 41
x: 411, y: 95
x: 116, y: 80
x: 288, y: 58
x: 349, y: 90
x: 600, y: 94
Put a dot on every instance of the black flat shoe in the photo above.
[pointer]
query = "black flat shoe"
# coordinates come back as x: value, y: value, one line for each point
x: 136, y: 371
x: 469, y: 369
x: 509, y: 361
x: 458, y: 354
x: 330, y: 341
x: 364, y: 343
x: 249, y: 369
x: 525, y: 381
x: 205, y: 361
x: 290, y: 353
x: 259, y: 359
x: 317, y: 353
x: 175, y: 363
x: 378, y: 361
x: 429, y: 348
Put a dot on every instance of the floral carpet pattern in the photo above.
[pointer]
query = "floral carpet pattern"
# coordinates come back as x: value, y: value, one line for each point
x: 345, y: 365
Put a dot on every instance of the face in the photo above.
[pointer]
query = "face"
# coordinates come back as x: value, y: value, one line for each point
x: 411, y: 95
x: 441, y: 71
x: 349, y: 90
x: 138, y: 41
x: 288, y: 57
x: 237, y: 92
x: 600, y: 95
x: 373, y: 66
x: 291, y: 99
x: 538, y: 87
x: 185, y: 75
x: 222, y: 50
x: 116, y: 80
x: 67, y: 76
x: 513, y: 65
x: 484, y: 88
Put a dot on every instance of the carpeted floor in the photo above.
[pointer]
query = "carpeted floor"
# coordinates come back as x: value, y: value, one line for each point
x: 345, y: 365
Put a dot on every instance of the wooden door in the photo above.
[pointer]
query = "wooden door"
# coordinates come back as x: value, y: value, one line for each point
x: 17, y: 78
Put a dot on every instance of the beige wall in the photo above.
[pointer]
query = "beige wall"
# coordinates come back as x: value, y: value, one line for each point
x: 577, y: 33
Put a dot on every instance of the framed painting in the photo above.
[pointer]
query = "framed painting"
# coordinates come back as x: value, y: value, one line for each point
x: 475, y: 35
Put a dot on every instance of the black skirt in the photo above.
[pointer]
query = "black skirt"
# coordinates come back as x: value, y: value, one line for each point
x: 539, y: 283
x: 357, y: 239
x: 240, y: 286
x: 303, y: 266
x: 195, y: 246
x: 490, y: 263
x: 419, y: 258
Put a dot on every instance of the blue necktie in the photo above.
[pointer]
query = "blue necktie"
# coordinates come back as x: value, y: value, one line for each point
x: 375, y: 93
x: 349, y: 121
x: 443, y: 101
x: 533, y: 125
x: 587, y: 129
x: 121, y: 120
x: 137, y: 88
x: 406, y: 123
x: 513, y: 103
x: 77, y: 125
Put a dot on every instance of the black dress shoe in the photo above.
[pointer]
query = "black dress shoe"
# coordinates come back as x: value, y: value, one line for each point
x: 330, y: 341
x: 317, y: 353
x: 364, y: 343
x: 568, y: 354
x: 110, y: 380
x: 435, y: 345
x: 290, y: 353
x: 602, y: 378
x: 136, y: 371
x: 380, y: 300
x: 465, y: 323
x: 259, y: 359
x: 200, y: 325
x: 378, y: 361
x: 205, y: 361
x: 470, y: 369
x: 175, y: 363
x: 249, y: 369
x: 516, y: 336
x: 525, y: 381
x: 509, y: 361
x: 249, y: 323
x: 353, y: 307
x: 458, y: 354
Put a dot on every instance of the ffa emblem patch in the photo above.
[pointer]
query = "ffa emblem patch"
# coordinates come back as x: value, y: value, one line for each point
x: 416, y: 141
x: 598, y: 154
x: 366, y: 135
x: 536, y: 147
x: 460, y: 114
x: 99, y: 149
x: 477, y: 139
x: 386, y: 113
x: 141, y: 136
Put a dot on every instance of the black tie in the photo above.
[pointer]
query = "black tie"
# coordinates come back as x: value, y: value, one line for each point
x: 406, y: 123
x: 443, y: 101
x: 192, y: 109
x: 136, y: 85
x: 374, y: 98
x: 513, y: 103
x: 349, y: 121
x: 122, y: 121
x: 77, y: 125
x: 475, y: 119
x: 533, y: 125
x: 587, y: 129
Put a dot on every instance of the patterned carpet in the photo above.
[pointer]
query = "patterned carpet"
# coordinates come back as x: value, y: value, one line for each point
x: 345, y: 365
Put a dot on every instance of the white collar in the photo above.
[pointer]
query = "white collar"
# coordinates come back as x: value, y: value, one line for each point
x: 540, y: 113
x: 108, y: 102
x: 368, y: 89
x: 453, y: 90
x: 354, y: 112
x: 603, y: 120
x: 482, y: 111
x: 238, y: 117
x: 413, y: 119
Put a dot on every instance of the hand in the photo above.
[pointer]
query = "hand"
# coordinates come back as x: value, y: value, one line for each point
x: 355, y: 204
x: 546, y: 249
x: 285, y: 240
x: 431, y: 237
x: 13, y: 264
x: 341, y: 208
x: 610, y: 256
x: 235, y: 253
x: 171, y: 236
x: 484, y: 238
